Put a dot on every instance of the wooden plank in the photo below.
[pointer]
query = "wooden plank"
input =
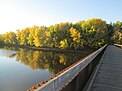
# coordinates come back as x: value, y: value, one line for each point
x: 109, y: 73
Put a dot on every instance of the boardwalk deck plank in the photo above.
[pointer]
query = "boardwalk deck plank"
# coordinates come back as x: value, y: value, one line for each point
x: 109, y: 74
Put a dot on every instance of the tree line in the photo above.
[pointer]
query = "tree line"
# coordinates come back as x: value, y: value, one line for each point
x: 92, y: 33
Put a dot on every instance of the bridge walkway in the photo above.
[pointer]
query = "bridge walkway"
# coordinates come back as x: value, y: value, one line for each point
x: 108, y: 74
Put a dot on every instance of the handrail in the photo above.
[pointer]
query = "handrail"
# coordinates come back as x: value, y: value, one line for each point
x: 60, y: 80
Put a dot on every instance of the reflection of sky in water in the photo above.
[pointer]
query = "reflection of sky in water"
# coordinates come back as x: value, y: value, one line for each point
x: 15, y: 76
x: 6, y: 53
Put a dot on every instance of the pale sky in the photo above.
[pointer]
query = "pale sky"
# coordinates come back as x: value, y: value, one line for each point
x: 18, y: 14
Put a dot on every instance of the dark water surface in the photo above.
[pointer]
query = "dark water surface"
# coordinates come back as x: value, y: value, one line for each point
x: 20, y: 69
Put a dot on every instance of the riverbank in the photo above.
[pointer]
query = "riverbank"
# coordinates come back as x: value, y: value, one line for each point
x: 49, y: 49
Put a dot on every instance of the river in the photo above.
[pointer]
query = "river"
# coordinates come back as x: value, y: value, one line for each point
x: 21, y: 69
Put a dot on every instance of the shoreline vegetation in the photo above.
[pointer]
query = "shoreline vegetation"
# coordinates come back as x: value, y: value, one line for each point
x: 92, y: 33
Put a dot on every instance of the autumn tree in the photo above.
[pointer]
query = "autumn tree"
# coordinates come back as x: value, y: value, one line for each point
x: 10, y: 38
x: 94, y: 31
x: 22, y: 36
x: 1, y: 39
x: 30, y: 37
x: 39, y: 36
x: 64, y: 44
x: 117, y: 35
x: 76, y: 38
x: 58, y: 33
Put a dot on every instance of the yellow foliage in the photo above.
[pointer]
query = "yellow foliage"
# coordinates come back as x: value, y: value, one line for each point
x: 75, y: 34
x: 64, y: 44
x: 94, y: 24
x: 47, y: 34
x: 63, y: 59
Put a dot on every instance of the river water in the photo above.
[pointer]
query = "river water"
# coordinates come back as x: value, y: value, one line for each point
x: 21, y: 69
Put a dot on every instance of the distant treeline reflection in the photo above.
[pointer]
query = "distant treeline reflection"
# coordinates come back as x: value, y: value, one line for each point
x: 53, y: 61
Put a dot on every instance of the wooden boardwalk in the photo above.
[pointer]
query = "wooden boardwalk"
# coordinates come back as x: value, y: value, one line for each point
x: 108, y: 73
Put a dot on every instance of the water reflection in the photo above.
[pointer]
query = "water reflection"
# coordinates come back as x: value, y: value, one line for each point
x: 23, y: 68
x: 53, y: 61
